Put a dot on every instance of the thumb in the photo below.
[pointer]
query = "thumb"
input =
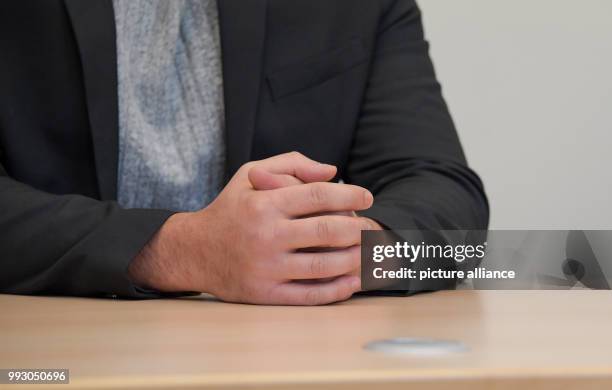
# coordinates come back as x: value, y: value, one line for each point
x: 262, y: 179
x: 289, y: 169
x: 299, y: 166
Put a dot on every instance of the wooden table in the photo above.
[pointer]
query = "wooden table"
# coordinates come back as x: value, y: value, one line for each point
x: 516, y: 339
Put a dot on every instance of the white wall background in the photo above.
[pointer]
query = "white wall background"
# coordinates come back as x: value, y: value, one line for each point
x: 529, y: 84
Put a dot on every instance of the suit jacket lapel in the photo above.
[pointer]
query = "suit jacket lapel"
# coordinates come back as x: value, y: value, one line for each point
x: 94, y: 27
x: 242, y: 24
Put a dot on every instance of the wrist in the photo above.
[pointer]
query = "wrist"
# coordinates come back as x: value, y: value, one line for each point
x: 163, y: 264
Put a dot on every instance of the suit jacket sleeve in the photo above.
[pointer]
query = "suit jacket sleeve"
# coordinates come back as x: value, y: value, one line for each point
x: 406, y: 149
x: 69, y: 244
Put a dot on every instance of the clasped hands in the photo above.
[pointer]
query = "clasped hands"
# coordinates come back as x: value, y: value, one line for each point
x: 279, y: 233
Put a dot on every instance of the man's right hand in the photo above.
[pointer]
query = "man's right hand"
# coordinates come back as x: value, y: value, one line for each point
x: 245, y: 246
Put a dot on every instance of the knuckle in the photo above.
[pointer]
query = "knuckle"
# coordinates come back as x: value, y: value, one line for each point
x: 261, y: 237
x: 318, y: 265
x: 256, y: 205
x: 266, y: 269
x: 284, y: 265
x: 278, y: 232
x: 323, y: 230
x: 278, y: 200
x: 318, y: 195
x: 295, y: 154
x: 313, y: 297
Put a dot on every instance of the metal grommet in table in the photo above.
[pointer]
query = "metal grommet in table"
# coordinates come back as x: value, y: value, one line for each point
x: 416, y: 346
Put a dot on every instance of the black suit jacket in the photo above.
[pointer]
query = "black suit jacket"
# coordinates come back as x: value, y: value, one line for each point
x: 346, y: 82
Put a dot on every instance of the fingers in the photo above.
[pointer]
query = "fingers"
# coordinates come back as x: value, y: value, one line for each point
x: 299, y: 166
x: 261, y: 179
x: 296, y: 293
x: 325, y: 231
x: 314, y: 198
x: 320, y: 265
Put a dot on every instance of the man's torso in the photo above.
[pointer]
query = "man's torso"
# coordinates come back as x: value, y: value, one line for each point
x: 294, y: 74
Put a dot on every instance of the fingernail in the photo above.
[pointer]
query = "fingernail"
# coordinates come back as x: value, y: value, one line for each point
x: 328, y: 166
x: 368, y: 197
x: 356, y: 284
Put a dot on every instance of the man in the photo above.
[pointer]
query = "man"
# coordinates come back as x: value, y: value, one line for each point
x: 120, y: 122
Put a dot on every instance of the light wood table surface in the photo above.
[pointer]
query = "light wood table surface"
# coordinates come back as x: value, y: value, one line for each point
x: 516, y: 339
